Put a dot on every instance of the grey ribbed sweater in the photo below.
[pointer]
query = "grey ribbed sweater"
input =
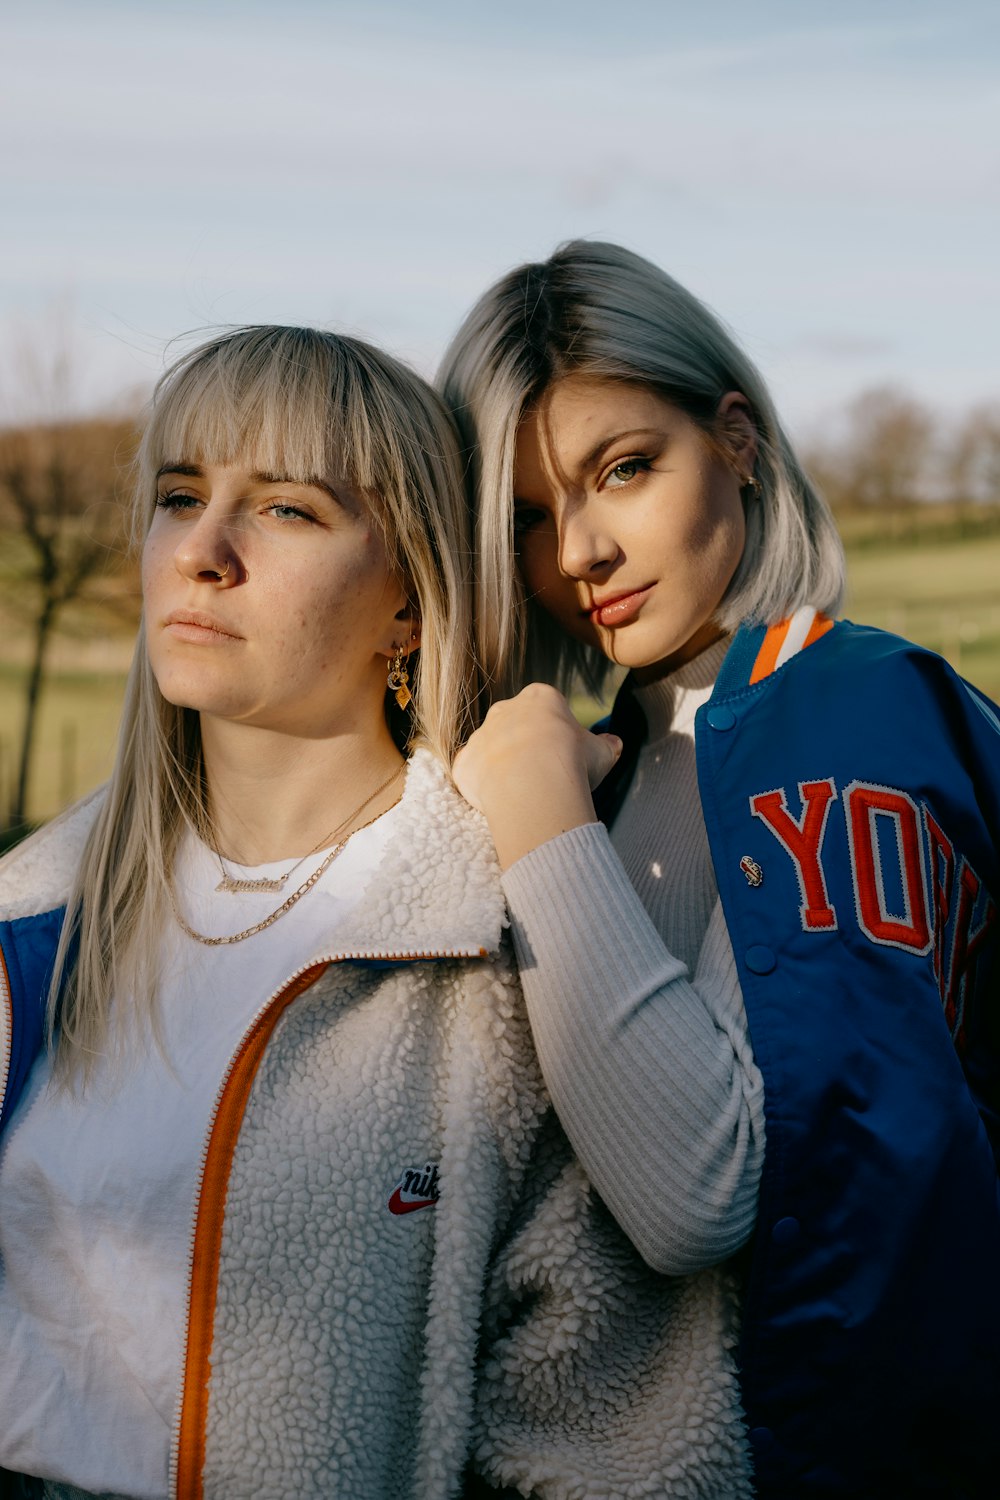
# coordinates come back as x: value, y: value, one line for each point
x: 635, y: 1002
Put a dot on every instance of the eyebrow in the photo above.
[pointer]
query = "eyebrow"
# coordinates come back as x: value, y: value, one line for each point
x: 190, y: 471
x: 601, y: 447
x: 312, y: 481
x: 258, y: 476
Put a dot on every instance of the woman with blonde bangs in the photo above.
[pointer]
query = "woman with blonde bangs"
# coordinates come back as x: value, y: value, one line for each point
x: 249, y: 1191
x: 766, y: 996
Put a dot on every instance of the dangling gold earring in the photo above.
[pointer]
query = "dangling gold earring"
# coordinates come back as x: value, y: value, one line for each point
x: 398, y: 679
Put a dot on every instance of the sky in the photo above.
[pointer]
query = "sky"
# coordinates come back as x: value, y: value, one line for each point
x: 826, y: 176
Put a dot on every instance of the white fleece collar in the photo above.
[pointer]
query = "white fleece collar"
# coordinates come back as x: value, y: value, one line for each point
x: 438, y: 887
x: 36, y: 876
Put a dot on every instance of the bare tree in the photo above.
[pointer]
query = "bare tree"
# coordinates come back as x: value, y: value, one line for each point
x: 63, y: 536
x: 892, y: 448
x: 885, y: 456
x: 972, y: 461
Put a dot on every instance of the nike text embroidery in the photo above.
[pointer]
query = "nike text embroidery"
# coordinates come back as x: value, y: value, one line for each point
x: 416, y: 1188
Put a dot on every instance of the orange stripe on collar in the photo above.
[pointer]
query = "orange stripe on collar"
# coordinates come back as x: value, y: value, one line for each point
x: 820, y: 626
x: 787, y: 638
x: 767, y: 656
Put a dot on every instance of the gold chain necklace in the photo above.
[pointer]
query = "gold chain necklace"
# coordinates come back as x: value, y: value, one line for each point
x: 307, y: 885
x: 237, y: 885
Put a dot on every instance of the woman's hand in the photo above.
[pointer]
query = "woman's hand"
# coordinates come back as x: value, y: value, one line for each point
x: 531, y: 768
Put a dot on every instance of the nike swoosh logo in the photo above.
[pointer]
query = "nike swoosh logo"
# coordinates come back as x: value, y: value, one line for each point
x: 399, y: 1205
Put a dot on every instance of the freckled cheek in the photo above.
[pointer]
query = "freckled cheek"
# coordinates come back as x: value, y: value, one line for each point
x: 310, y: 642
x: 314, y: 627
x: 289, y: 637
x: 152, y: 568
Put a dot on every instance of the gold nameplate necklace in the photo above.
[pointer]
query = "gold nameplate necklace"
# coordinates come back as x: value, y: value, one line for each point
x: 237, y: 884
x: 228, y: 883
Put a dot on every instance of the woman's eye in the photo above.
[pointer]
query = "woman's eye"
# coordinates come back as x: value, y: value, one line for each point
x: 626, y: 471
x: 285, y: 512
x: 176, y: 500
x: 525, y: 517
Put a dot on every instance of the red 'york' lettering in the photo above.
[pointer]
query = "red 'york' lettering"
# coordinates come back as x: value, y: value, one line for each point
x: 865, y: 805
x: 942, y: 877
x: 955, y: 962
x: 803, y: 840
x: 899, y: 856
x: 965, y: 947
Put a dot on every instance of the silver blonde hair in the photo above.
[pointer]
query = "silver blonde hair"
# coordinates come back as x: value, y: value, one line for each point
x: 598, y: 309
x: 307, y: 404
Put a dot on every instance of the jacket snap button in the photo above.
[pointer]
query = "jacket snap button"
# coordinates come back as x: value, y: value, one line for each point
x: 721, y: 718
x: 762, y: 1438
x: 760, y: 960
x: 786, y: 1231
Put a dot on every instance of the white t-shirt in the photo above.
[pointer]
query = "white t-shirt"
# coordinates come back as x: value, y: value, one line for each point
x: 97, y: 1193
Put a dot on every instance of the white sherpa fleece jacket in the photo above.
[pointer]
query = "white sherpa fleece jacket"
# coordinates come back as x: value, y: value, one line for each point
x: 395, y: 1257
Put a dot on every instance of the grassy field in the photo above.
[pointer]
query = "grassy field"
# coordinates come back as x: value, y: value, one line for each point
x: 945, y: 596
x: 74, y: 737
x: 939, y: 586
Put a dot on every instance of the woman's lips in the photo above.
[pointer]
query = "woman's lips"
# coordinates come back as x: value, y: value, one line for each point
x: 200, y: 629
x: 621, y: 609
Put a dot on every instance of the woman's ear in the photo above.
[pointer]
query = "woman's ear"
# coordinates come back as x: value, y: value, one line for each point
x: 405, y: 631
x: 408, y: 619
x: 737, y: 431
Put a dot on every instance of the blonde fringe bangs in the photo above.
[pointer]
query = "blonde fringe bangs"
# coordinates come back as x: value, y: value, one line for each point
x: 294, y: 402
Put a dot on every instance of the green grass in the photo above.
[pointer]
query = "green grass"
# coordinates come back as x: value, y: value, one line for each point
x: 944, y: 595
x: 74, y: 736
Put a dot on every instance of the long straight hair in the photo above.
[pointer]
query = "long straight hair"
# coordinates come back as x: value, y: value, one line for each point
x: 598, y: 309
x: 304, y: 403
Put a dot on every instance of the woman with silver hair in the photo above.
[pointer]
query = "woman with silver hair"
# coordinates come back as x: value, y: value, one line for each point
x: 765, y: 995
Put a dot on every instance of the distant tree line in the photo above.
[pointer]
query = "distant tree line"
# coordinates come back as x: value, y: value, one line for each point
x: 891, y: 451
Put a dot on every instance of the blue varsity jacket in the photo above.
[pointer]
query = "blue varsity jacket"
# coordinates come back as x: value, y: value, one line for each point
x: 851, y: 792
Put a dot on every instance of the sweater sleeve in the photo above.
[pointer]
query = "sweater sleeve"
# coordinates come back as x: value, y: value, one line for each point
x: 651, y: 1072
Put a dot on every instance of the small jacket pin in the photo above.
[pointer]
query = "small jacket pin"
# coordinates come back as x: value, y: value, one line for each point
x: 752, y: 870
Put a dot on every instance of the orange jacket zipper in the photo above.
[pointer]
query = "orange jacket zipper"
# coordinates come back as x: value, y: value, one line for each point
x: 7, y: 1004
x: 188, y: 1457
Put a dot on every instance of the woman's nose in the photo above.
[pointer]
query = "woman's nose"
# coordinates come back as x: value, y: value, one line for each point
x: 207, y: 553
x: 586, y: 544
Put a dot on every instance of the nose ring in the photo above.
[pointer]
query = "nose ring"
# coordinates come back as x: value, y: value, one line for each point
x: 226, y: 568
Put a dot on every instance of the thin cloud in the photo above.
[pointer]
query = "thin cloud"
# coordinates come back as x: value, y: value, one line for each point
x: 843, y: 346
